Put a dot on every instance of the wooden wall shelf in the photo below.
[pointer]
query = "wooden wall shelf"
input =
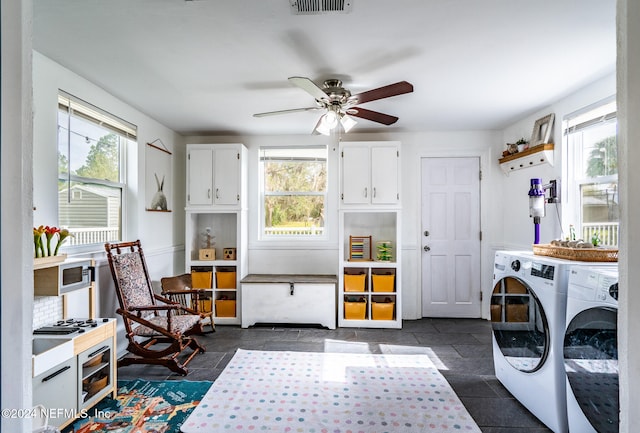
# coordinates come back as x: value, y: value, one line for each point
x: 536, y: 155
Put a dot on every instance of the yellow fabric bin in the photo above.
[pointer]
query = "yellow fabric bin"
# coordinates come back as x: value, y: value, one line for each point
x: 383, y: 282
x: 354, y: 282
x: 225, y: 308
x: 382, y: 310
x: 225, y: 279
x: 205, y: 305
x: 355, y: 310
x: 201, y: 279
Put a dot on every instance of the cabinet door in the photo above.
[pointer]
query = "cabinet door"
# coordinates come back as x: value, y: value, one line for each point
x: 56, y: 388
x: 356, y: 175
x: 200, y: 177
x: 384, y: 175
x: 226, y: 176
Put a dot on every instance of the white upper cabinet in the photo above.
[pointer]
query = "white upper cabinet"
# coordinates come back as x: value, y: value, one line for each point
x: 370, y: 174
x: 199, y: 177
x: 215, y: 176
x: 226, y: 176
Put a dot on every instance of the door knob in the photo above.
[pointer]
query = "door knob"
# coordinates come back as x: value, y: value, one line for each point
x: 427, y: 248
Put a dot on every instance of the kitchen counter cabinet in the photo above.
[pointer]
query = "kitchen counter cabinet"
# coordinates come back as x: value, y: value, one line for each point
x: 61, y: 387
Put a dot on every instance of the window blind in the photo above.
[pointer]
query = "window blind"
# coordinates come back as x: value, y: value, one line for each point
x: 85, y: 110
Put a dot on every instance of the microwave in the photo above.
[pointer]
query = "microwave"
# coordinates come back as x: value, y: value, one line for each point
x: 63, y: 277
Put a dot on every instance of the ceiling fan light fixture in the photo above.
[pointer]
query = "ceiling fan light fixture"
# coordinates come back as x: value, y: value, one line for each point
x: 347, y: 122
x: 330, y: 119
x: 323, y: 126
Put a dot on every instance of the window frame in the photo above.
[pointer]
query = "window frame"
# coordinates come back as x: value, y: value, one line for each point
x: 262, y: 235
x: 126, y: 134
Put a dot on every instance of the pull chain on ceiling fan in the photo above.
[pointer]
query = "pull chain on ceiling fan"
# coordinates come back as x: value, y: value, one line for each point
x: 340, y: 104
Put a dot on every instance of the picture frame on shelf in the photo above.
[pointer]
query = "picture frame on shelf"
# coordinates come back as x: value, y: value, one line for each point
x: 542, y: 128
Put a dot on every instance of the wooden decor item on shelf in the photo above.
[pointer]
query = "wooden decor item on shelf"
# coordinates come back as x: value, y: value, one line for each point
x: 360, y: 248
x: 229, y: 253
x: 207, y: 254
x: 383, y: 251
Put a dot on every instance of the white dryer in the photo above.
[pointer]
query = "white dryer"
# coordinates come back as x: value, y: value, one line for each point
x: 591, y: 350
x: 528, y: 307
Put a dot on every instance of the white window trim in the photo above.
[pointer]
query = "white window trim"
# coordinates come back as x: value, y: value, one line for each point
x: 598, y: 113
x: 126, y: 132
x: 294, y: 241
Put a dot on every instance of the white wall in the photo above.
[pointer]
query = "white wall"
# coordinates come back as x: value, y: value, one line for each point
x: 161, y: 233
x: 518, y: 226
x: 16, y: 289
x: 265, y: 257
x: 155, y: 229
x: 629, y: 177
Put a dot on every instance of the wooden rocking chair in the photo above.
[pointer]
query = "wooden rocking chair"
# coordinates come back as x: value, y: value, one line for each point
x: 181, y: 289
x: 150, y: 319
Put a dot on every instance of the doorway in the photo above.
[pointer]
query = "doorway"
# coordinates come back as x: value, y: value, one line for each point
x: 450, y: 237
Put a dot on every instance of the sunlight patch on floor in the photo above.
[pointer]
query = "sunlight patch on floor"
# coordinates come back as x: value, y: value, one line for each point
x: 414, y: 350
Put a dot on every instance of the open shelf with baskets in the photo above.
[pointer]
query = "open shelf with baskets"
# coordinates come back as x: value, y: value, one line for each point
x: 223, y: 234
x: 369, y: 289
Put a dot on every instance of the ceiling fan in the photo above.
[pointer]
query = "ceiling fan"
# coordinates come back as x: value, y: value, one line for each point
x: 340, y: 104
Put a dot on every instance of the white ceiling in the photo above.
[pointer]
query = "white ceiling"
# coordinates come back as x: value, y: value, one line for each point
x: 205, y: 66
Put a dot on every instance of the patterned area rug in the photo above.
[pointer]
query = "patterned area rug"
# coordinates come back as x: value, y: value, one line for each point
x: 144, y: 406
x: 329, y: 392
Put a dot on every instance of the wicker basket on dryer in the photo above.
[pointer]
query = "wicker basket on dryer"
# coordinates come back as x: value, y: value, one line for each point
x: 578, y: 254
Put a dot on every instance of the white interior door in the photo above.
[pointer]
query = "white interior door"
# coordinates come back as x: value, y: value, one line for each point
x: 450, y: 237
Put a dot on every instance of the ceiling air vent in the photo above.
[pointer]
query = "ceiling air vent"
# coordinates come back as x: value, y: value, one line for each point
x: 310, y: 7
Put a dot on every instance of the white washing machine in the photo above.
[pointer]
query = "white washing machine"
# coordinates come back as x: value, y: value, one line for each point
x: 528, y: 308
x: 591, y: 350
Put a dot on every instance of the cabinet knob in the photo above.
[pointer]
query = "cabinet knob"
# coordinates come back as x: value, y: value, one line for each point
x: 426, y: 233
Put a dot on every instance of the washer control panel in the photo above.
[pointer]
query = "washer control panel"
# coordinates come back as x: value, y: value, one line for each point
x: 543, y: 271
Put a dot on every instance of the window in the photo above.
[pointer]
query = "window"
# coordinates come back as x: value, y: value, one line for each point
x: 593, y: 172
x: 91, y: 182
x: 294, y: 192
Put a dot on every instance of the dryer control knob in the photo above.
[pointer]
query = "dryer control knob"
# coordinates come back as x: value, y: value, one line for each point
x: 515, y: 265
x: 613, y: 291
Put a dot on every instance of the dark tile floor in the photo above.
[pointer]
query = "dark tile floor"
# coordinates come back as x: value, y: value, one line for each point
x: 460, y: 348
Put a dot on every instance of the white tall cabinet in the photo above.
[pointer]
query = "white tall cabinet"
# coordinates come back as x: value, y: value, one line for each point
x: 369, y: 289
x: 216, y: 204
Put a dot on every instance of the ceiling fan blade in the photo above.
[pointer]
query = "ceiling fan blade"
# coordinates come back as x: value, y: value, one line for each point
x: 292, y: 110
x: 382, y: 92
x: 374, y: 116
x: 309, y: 86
